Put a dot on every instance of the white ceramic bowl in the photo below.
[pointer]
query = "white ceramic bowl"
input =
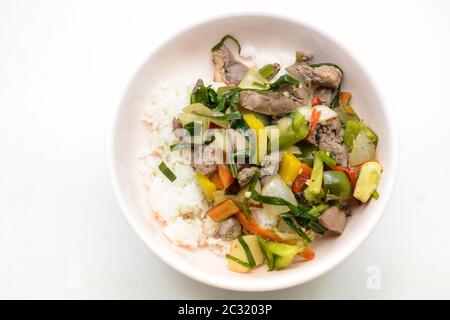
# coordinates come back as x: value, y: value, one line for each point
x: 187, y: 56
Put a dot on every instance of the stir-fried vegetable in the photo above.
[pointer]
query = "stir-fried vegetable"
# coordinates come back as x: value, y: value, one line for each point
x: 336, y: 185
x: 302, y: 178
x: 307, y: 153
x: 254, y: 80
x: 253, y: 226
x: 204, y: 95
x: 245, y: 254
x: 215, y: 178
x: 289, y: 130
x: 316, y: 211
x: 281, y: 181
x: 284, y: 79
x: 326, y: 158
x: 225, y: 175
x: 351, y: 172
x: 222, y: 117
x: 260, y: 136
x: 344, y: 110
x: 268, y: 71
x: 292, y: 223
x: 368, y: 180
x: 279, y: 255
x: 312, y: 114
x: 206, y: 185
x: 254, y: 185
x: 315, y: 183
x: 363, y: 150
x: 166, y: 171
x: 276, y: 187
x: 290, y: 168
x: 199, y: 112
x: 223, y: 211
x: 315, y: 116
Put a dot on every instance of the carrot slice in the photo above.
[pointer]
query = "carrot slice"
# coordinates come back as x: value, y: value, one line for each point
x: 253, y: 226
x: 308, y: 253
x: 345, y: 97
x: 217, y: 181
x: 223, y: 210
x: 315, y: 115
x: 316, y: 101
x: 225, y: 175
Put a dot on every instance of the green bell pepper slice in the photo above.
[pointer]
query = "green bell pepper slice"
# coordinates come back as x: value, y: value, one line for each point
x: 291, y: 129
x: 336, y: 185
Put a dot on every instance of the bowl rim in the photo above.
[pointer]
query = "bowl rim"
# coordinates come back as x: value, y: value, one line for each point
x: 191, y: 271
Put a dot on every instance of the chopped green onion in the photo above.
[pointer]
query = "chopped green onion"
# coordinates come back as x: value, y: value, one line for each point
x: 226, y: 117
x: 267, y: 253
x: 318, y: 210
x: 251, y: 188
x: 261, y: 86
x: 316, y: 227
x: 248, y: 253
x: 242, y: 153
x: 179, y: 146
x: 233, y: 168
x: 228, y: 99
x: 298, y: 211
x: 315, y: 65
x: 238, y: 261
x: 167, y: 172
x: 193, y: 127
x: 284, y: 79
x: 267, y: 71
x: 222, y: 41
x: 289, y: 220
x: 327, y: 159
x: 205, y: 95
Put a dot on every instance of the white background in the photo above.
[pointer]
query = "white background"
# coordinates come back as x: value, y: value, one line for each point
x: 63, y: 68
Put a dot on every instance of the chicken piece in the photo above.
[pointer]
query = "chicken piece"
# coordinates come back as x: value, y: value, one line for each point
x: 227, y: 68
x: 229, y: 229
x: 329, y: 137
x: 246, y: 175
x: 334, y: 220
x: 324, y: 75
x: 275, y: 103
x: 325, y: 95
x: 205, y: 161
x: 270, y: 164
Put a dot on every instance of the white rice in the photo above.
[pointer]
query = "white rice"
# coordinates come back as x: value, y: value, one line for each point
x: 180, y: 205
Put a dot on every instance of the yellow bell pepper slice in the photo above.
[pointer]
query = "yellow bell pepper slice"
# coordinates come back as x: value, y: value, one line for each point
x: 206, y: 185
x: 289, y: 168
x: 261, y: 136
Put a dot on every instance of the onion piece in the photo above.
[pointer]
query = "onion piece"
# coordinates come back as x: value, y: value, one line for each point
x: 276, y: 187
x: 326, y: 113
x: 254, y: 80
x: 363, y: 150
